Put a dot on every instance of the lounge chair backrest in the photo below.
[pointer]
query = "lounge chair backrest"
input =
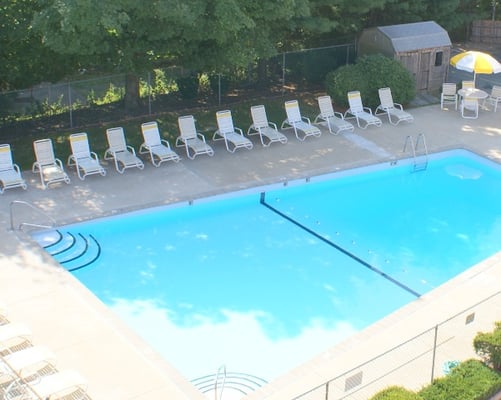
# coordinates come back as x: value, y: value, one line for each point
x: 355, y: 102
x: 496, y: 91
x: 386, y: 98
x: 44, y: 152
x: 325, y: 106
x: 116, y: 139
x: 449, y: 89
x: 80, y: 145
x: 468, y: 84
x: 293, y: 112
x: 225, y: 121
x: 259, y: 118
x: 151, y: 134
x: 187, y: 127
x: 5, y: 157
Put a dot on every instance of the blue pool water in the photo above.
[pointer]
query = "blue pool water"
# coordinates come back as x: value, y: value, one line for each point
x: 262, y: 281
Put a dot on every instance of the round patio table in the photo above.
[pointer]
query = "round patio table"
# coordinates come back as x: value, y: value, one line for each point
x: 473, y: 93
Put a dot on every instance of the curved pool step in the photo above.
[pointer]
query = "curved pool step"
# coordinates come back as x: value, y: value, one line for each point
x: 72, y: 251
x: 235, y: 384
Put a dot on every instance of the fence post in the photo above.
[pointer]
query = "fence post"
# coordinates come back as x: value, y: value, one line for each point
x: 70, y: 102
x: 434, y: 354
x: 327, y: 391
x: 149, y: 93
x: 283, y: 73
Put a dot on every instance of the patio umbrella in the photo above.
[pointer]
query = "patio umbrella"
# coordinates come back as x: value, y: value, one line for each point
x: 476, y: 62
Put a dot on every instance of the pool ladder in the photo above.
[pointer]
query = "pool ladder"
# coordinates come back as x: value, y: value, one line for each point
x: 51, y: 221
x: 421, y: 162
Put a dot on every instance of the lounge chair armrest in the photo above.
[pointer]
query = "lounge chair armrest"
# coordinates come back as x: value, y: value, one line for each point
x: 273, y: 125
x: 306, y: 119
x: 201, y: 137
x: 398, y: 105
x: 131, y: 149
x: 94, y: 155
x: 165, y: 142
x: 16, y: 167
x: 251, y: 129
x: 238, y: 130
x: 59, y: 163
x: 367, y: 109
x: 338, y: 114
x: 35, y: 167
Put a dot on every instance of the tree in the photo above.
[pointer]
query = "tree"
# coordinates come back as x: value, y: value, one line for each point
x: 25, y: 60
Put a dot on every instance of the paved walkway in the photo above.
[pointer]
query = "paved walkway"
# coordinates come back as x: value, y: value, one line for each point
x: 86, y: 336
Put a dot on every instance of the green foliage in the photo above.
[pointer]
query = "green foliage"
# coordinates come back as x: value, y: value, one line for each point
x: 367, y: 75
x: 470, y: 380
x: 188, y: 86
x: 396, y: 393
x: 488, y: 346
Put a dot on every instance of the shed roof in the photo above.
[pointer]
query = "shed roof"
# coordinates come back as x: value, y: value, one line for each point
x: 417, y: 35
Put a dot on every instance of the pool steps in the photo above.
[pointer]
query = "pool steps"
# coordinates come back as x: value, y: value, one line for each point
x: 73, y: 252
x: 228, y: 382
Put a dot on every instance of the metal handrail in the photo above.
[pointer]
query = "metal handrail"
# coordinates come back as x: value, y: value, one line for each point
x: 415, y: 146
x: 22, y: 224
x: 216, y: 382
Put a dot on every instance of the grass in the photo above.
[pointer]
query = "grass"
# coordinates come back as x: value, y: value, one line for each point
x: 22, y: 147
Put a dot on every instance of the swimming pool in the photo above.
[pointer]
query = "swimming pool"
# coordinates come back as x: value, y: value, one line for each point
x: 262, y: 282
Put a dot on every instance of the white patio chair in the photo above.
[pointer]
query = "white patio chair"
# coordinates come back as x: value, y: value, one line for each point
x: 335, y: 120
x: 49, y: 167
x: 233, y: 137
x: 194, y: 142
x: 10, y: 173
x: 359, y: 112
x: 85, y: 161
x: 159, y: 149
x: 494, y: 97
x: 394, y: 111
x: 468, y: 85
x: 449, y: 95
x: 469, y: 107
x: 267, y: 131
x: 302, y: 126
x: 123, y: 155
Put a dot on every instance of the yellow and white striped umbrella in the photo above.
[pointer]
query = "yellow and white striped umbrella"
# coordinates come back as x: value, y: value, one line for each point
x: 476, y: 62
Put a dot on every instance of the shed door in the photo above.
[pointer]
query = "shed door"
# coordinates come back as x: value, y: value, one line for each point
x: 423, y: 76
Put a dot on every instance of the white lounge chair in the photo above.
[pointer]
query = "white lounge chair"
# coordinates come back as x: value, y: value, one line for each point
x: 49, y: 167
x: 494, y: 97
x: 469, y: 107
x: 158, y: 148
x: 359, y: 112
x: 59, y: 385
x: 13, y: 337
x: 299, y: 123
x: 85, y: 161
x: 449, y: 95
x: 193, y: 141
x: 394, y: 111
x: 29, y: 361
x: 233, y: 137
x: 267, y: 131
x: 123, y: 155
x: 335, y: 120
x: 10, y: 173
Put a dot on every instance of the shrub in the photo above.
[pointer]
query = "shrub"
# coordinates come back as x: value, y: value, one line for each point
x: 188, y: 86
x: 470, y: 380
x: 367, y: 75
x: 396, y: 393
x: 488, y: 346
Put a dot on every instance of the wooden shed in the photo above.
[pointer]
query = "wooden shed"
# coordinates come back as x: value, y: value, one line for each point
x: 424, y: 48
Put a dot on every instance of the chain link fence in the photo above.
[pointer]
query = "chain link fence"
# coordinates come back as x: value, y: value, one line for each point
x: 80, y: 102
x: 417, y: 361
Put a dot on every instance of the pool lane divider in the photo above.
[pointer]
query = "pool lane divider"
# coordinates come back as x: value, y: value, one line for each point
x: 337, y: 247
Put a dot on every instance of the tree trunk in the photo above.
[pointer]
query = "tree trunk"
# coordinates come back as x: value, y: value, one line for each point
x: 131, y: 91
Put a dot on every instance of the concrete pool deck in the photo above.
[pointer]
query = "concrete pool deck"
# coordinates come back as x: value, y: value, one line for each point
x: 87, y: 337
